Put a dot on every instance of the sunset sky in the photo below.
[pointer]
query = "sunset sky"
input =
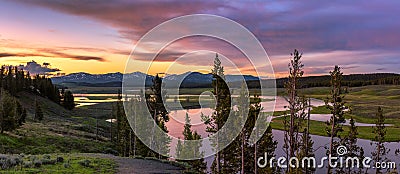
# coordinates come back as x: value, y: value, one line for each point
x: 98, y: 36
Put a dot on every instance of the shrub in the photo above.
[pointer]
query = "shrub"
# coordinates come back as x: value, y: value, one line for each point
x: 110, y: 151
x: 84, y: 163
x: 67, y: 165
x: 32, y: 158
x: 18, y: 159
x: 46, y: 156
x: 27, y: 164
x: 11, y: 162
x: 60, y: 159
x: 48, y: 161
x: 3, y: 157
x: 37, y: 163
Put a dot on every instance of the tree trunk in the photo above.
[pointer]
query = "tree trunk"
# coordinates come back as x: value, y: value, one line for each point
x: 308, y: 132
x: 242, y: 171
x: 332, y: 130
x: 255, y: 158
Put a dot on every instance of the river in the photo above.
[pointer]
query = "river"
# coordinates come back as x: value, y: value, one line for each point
x: 177, y: 118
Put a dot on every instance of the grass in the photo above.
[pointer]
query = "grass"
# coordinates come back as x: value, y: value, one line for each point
x: 319, y: 128
x: 363, y: 102
x: 61, y: 131
x: 320, y: 110
x: 70, y: 163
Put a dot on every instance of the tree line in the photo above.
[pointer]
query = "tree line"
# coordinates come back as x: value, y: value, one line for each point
x: 352, y: 80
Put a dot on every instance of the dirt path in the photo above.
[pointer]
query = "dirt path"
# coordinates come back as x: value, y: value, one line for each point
x: 139, y: 166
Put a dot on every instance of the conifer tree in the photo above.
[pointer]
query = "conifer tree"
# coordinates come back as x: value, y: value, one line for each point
x: 353, y: 150
x: 19, y: 113
x: 7, y: 118
x: 38, y: 112
x: 380, y: 152
x: 190, y: 148
x: 160, y: 116
x: 297, y: 104
x: 140, y: 127
x: 69, y: 101
x: 221, y: 113
x: 242, y: 109
x: 335, y: 104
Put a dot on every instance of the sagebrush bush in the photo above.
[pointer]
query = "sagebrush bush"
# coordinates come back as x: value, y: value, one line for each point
x: 46, y: 156
x: 48, y: 162
x: 60, y: 159
x: 37, y: 163
x: 27, y: 164
x: 84, y: 163
x: 67, y: 165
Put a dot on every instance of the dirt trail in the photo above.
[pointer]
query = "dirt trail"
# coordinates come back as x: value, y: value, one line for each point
x: 139, y: 166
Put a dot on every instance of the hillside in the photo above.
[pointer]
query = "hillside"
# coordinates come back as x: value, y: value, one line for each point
x: 60, y: 130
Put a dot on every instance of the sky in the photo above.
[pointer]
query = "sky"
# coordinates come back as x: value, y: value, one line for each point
x: 98, y: 36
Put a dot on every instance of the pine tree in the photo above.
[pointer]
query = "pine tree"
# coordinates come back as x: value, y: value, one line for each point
x: 297, y: 105
x: 123, y: 128
x: 69, y: 102
x: 337, y: 108
x: 306, y: 149
x: 353, y: 150
x: 191, y: 149
x: 268, y: 145
x: 242, y: 109
x: 22, y: 120
x: 140, y: 126
x: 38, y: 112
x: 7, y: 117
x: 19, y: 113
x: 160, y: 116
x: 220, y: 115
x: 380, y: 132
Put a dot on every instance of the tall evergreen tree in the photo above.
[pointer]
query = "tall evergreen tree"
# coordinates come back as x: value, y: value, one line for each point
x: 297, y: 105
x: 19, y: 113
x: 160, y: 115
x: 69, y: 101
x: 353, y: 150
x: 38, y: 111
x: 335, y: 104
x: 380, y: 152
x: 221, y: 113
x: 190, y: 148
x: 140, y: 126
x: 306, y: 146
x: 7, y: 118
x: 123, y: 129
x: 242, y: 109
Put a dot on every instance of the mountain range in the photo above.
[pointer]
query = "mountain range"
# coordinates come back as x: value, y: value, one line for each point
x: 186, y: 80
x: 200, y: 80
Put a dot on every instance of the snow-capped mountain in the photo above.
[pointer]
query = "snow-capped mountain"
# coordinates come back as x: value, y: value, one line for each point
x: 188, y: 79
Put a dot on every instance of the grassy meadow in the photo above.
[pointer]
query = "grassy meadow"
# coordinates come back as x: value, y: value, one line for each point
x: 363, y: 102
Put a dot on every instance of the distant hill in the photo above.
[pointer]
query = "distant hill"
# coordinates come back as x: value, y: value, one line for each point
x: 352, y: 80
